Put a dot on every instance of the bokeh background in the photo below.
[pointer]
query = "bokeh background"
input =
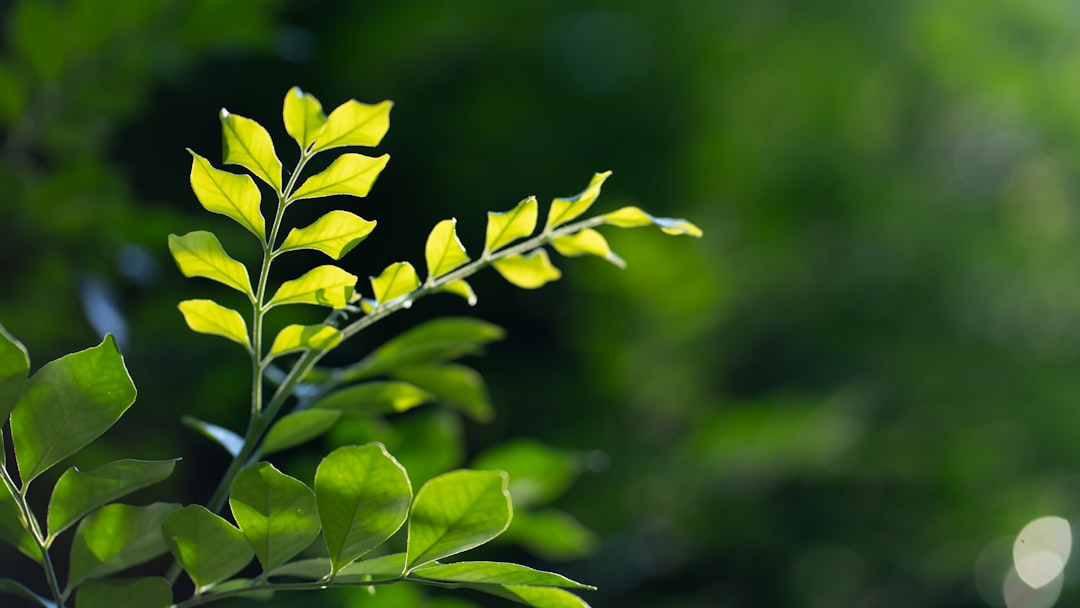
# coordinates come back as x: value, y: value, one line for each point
x: 854, y: 391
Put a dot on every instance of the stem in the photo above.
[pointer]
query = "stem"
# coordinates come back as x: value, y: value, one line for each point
x: 30, y: 524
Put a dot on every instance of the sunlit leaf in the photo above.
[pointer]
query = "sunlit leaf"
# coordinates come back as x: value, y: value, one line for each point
x: 199, y: 254
x: 14, y: 367
x: 629, y: 217
x: 148, y: 592
x: 234, y: 196
x: 455, y: 512
x: 77, y: 492
x: 209, y: 317
x: 67, y: 404
x: 276, y: 513
x: 375, y: 397
x: 246, y: 143
x: 461, y: 288
x: 439, y: 340
x: 551, y: 534
x: 298, y: 428
x: 334, y: 234
x: 220, y: 435
x: 305, y: 337
x: 12, y: 530
x: 444, y: 251
x: 116, y: 537
x: 10, y: 587
x: 355, y: 124
x: 565, y: 209
x: 457, y: 385
x: 323, y: 285
x: 494, y: 573
x: 351, y: 174
x: 363, y: 496
x: 397, y: 280
x: 303, y: 117
x: 506, y: 227
x: 209, y: 548
x: 537, y: 597
x: 587, y: 242
x: 527, y: 271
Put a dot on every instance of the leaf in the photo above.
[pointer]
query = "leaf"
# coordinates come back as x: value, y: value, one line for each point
x: 527, y: 271
x: 323, y: 285
x: 234, y: 196
x: 537, y: 597
x: 444, y: 251
x: 538, y: 473
x: 494, y: 573
x: 276, y: 513
x: 363, y: 496
x: 12, y: 530
x: 397, y: 280
x: 334, y: 234
x: 355, y: 124
x: 457, y: 385
x: 303, y: 116
x: 67, y: 404
x: 457, y: 511
x: 351, y: 174
x: 551, y: 534
x: 508, y: 226
x: 220, y: 435
x: 588, y: 241
x: 297, y: 428
x: 148, y: 592
x: 391, y: 565
x: 629, y: 217
x: 375, y: 397
x: 209, y: 317
x: 14, y: 367
x: 17, y: 589
x: 199, y: 254
x: 438, y: 340
x: 461, y: 288
x: 77, y: 492
x: 565, y: 209
x: 313, y: 568
x: 304, y: 337
x: 210, y: 548
x: 246, y: 143
x: 116, y: 537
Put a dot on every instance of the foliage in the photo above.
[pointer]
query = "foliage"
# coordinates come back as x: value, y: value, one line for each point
x: 362, y: 495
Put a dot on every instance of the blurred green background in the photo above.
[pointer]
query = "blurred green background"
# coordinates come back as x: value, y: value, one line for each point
x: 854, y: 391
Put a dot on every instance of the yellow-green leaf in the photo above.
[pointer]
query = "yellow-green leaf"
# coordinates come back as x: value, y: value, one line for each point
x: 209, y: 317
x: 398, y: 279
x: 246, y: 143
x: 444, y: 251
x: 303, y: 115
x: 334, y: 234
x: 351, y: 174
x: 231, y: 195
x: 302, y: 337
x: 587, y: 242
x: 462, y: 289
x: 355, y: 124
x: 528, y: 271
x: 629, y: 217
x: 199, y: 254
x: 323, y: 285
x: 565, y: 209
x: 508, y: 226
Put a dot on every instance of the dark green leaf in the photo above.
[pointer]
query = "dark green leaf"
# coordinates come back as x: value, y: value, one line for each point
x: 221, y: 435
x: 455, y: 512
x: 17, y: 589
x: 77, y: 492
x: 14, y: 366
x: 494, y: 573
x: 457, y: 385
x: 538, y: 473
x: 438, y: 340
x: 387, y: 566
x: 375, y: 397
x: 149, y: 592
x: 12, y: 530
x: 209, y: 548
x: 313, y: 568
x: 551, y: 534
x: 294, y: 429
x: 116, y: 537
x: 276, y: 513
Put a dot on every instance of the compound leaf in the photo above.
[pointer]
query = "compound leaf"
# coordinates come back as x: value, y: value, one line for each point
x: 334, y: 234
x: 304, y: 337
x: 67, y: 404
x: 508, y: 226
x: 323, y: 285
x: 116, y: 537
x: 147, y: 592
x: 14, y: 367
x: 210, y: 548
x: 351, y: 174
x: 276, y: 513
x: 355, y: 124
x: 565, y: 209
x: 209, y: 317
x: 395, y: 281
x: 438, y: 340
x: 457, y: 511
x: 528, y: 271
x: 199, y: 254
x: 629, y: 217
x: 303, y: 116
x: 457, y: 385
x: 587, y: 242
x: 246, y: 143
x: 220, y: 435
x: 375, y: 397
x: 77, y: 492
x: 234, y: 196
x: 297, y: 428
x: 444, y: 251
x: 363, y: 496
x: 494, y: 573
